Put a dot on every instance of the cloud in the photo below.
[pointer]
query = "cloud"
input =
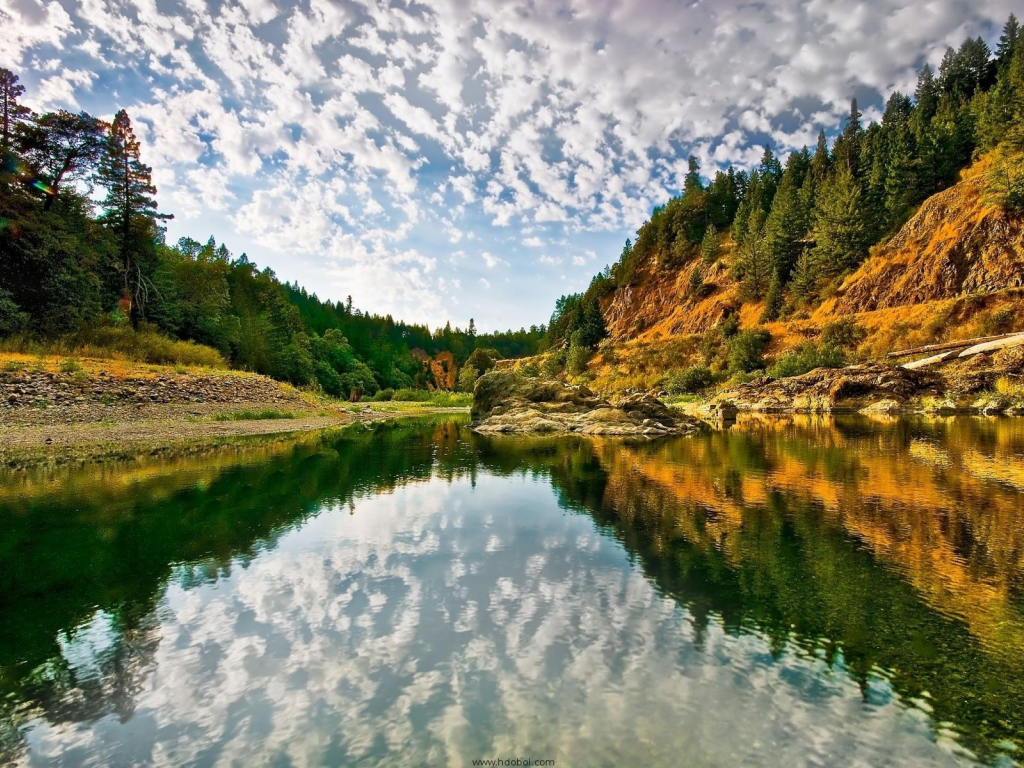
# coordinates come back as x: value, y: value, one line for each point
x: 492, y: 261
x: 373, y: 123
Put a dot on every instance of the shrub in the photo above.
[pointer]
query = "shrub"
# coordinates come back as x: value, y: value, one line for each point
x: 554, y: 363
x: 70, y: 366
x: 576, y: 360
x: 467, y: 378
x: 142, y: 346
x: 689, y: 380
x: 249, y: 415
x: 995, y: 323
x: 842, y: 334
x: 746, y: 350
x: 806, y: 358
x: 384, y: 395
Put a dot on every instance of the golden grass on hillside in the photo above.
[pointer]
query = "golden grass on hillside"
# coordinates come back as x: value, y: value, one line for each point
x: 119, y: 343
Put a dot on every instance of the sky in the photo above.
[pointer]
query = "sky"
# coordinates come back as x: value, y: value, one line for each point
x: 461, y: 159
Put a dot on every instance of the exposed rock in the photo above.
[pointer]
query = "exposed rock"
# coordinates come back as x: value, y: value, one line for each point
x: 855, y: 388
x: 504, y: 401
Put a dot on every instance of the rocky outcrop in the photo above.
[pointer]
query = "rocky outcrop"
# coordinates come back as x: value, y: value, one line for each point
x: 956, y: 244
x: 874, y: 386
x: 505, y: 402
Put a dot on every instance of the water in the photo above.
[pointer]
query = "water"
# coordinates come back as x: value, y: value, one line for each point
x: 789, y: 592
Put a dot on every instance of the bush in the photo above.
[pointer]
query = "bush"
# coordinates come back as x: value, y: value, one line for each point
x: 689, y: 380
x: 576, y: 360
x: 467, y: 378
x: 842, y: 334
x: 806, y: 358
x: 746, y: 350
x: 142, y: 346
x: 412, y: 395
x: 995, y: 323
x: 384, y: 395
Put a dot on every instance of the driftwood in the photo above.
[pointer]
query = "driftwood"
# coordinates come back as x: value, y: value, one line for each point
x: 963, y: 344
x: 1001, y: 342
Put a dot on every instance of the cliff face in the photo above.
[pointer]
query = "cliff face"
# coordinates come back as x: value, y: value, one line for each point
x: 955, y: 245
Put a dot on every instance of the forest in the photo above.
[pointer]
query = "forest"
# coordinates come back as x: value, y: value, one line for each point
x: 82, y: 244
x: 797, y: 228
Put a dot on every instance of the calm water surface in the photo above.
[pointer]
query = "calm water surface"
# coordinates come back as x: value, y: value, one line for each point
x: 791, y: 592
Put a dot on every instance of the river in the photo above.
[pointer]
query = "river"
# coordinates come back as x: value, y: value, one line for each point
x: 789, y: 591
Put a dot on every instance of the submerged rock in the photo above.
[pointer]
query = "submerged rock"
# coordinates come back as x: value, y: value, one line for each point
x: 505, y: 402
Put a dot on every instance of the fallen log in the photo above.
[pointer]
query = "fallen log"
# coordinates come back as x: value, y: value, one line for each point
x: 964, y: 343
x: 1009, y: 340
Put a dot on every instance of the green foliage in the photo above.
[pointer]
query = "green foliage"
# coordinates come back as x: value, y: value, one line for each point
x: 773, y: 300
x: 467, y: 378
x: 842, y: 334
x: 710, y: 245
x: 746, y: 350
x: 578, y: 356
x: 696, y: 281
x: 806, y: 358
x: 689, y: 380
x: 253, y: 415
x: 146, y: 345
x: 841, y: 233
x: 754, y: 266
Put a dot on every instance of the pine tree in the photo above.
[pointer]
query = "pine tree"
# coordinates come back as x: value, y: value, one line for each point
x: 62, y: 148
x: 129, y: 209
x: 710, y: 245
x: 773, y: 300
x: 692, y: 183
x: 821, y: 162
x: 754, y: 266
x: 12, y: 112
x: 696, y: 282
x: 804, y: 283
x: 1008, y: 42
x: 840, y: 232
x: 786, y: 226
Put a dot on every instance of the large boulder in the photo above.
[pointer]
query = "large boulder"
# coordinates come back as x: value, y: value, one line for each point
x: 506, y: 402
x: 824, y: 390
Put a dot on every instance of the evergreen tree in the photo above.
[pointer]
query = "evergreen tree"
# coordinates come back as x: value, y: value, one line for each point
x: 692, y: 184
x: 786, y: 226
x: 840, y: 232
x: 754, y: 267
x: 1008, y: 42
x: 62, y: 148
x: 696, y: 282
x: 773, y: 300
x: 821, y: 162
x: 11, y: 112
x: 130, y: 210
x: 710, y: 245
x: 804, y: 283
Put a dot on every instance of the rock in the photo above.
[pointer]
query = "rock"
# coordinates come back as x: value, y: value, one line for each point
x: 505, y: 402
x: 831, y: 389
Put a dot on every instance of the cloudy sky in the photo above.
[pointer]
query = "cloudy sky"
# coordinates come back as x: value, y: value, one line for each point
x: 455, y: 158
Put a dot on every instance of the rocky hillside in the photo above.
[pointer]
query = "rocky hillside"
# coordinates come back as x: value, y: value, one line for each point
x: 954, y: 270
x: 955, y: 245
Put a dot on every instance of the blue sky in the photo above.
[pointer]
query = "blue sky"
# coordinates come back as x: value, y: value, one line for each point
x: 460, y: 158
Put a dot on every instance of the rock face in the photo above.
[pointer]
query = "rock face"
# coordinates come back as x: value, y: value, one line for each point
x: 505, y: 402
x: 858, y: 387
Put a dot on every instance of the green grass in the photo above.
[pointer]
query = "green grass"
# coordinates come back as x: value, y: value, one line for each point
x: 250, y: 415
x: 424, y: 398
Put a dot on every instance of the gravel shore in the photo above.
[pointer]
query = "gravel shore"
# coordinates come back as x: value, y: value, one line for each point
x: 53, y: 416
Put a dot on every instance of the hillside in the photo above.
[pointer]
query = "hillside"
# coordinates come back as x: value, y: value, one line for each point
x: 954, y: 270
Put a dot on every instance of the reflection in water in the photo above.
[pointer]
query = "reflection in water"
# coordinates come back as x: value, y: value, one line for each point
x: 800, y: 591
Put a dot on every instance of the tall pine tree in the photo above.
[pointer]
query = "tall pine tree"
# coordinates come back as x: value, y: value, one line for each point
x: 130, y: 211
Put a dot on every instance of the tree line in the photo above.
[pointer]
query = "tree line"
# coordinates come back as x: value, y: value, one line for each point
x: 801, y: 225
x: 82, y: 244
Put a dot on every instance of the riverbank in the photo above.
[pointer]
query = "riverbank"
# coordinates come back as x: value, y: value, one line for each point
x: 58, y: 411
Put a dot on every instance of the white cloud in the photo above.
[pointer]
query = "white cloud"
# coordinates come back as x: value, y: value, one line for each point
x: 344, y: 119
x: 492, y: 261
